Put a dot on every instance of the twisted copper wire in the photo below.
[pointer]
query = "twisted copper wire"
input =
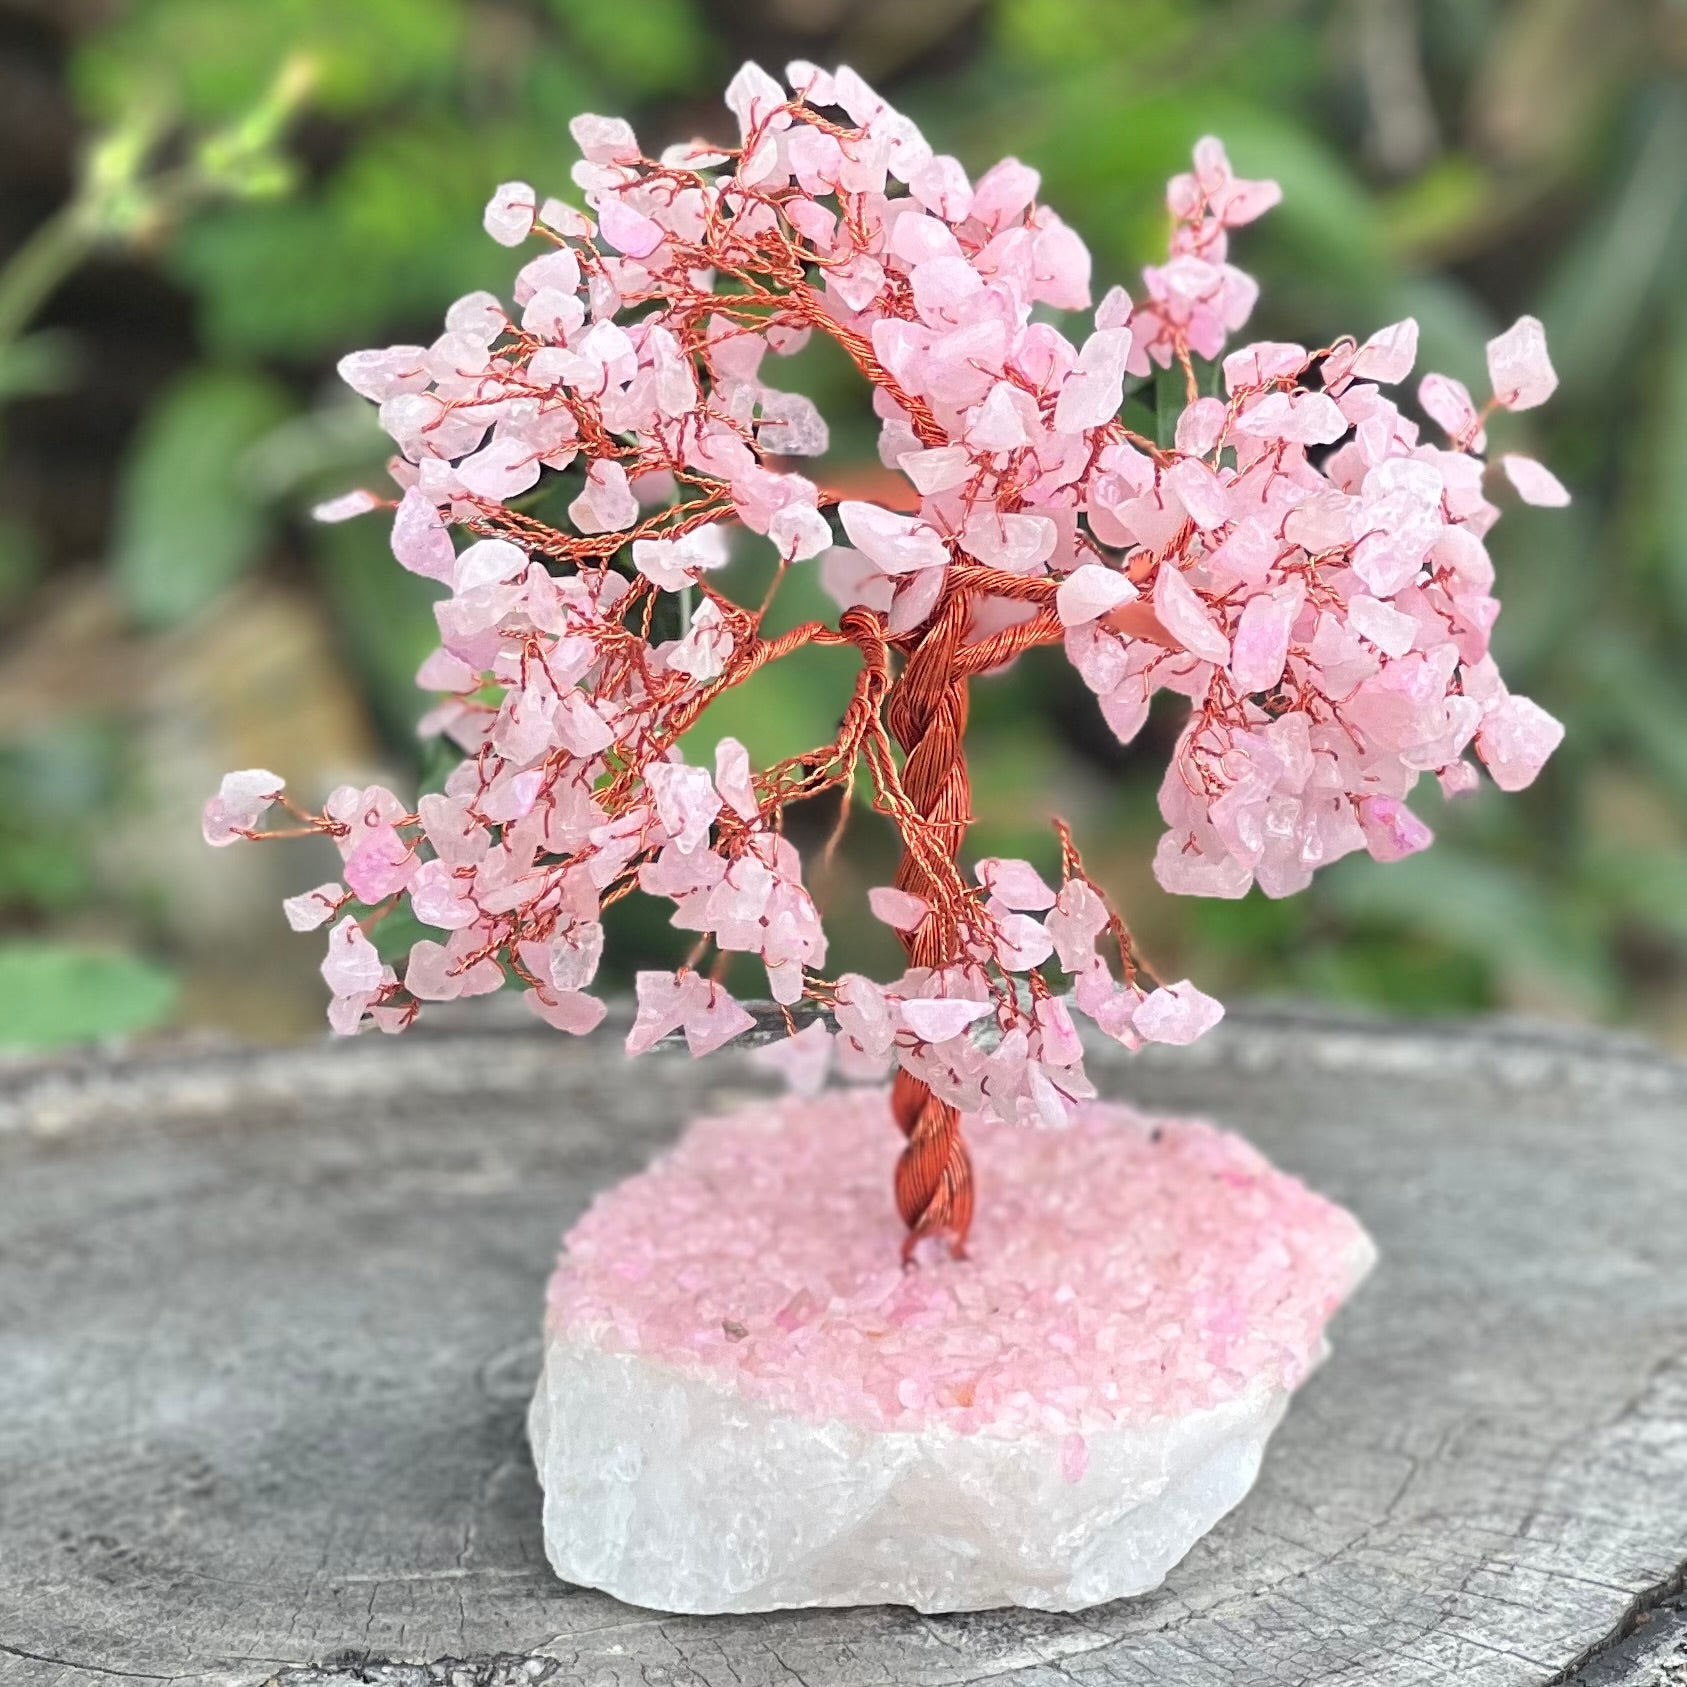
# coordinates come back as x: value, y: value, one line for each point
x: 927, y: 712
x: 925, y: 708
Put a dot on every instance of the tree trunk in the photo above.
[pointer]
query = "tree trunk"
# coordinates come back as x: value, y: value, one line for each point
x: 927, y: 713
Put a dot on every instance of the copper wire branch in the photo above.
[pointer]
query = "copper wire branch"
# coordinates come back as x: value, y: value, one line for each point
x: 910, y: 694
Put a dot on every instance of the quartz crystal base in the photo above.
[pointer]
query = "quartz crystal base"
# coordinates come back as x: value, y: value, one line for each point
x: 747, y: 1404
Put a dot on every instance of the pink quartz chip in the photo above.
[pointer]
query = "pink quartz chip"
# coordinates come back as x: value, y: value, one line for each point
x: 1124, y: 1270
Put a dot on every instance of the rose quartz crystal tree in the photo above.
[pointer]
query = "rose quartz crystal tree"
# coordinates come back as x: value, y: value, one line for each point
x: 1292, y: 556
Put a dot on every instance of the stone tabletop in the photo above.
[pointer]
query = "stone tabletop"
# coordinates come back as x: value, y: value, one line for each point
x: 268, y: 1325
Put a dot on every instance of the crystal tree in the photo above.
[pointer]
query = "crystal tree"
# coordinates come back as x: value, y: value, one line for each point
x: 1287, y: 552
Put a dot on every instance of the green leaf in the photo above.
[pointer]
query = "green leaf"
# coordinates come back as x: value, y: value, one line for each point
x: 655, y: 47
x: 1551, y: 595
x: 396, y: 933
x: 1405, y: 975
x: 385, y: 615
x: 392, y: 235
x: 214, y: 60
x: 1486, y: 910
x: 45, y: 362
x: 1061, y: 34
x: 1597, y: 304
x: 1171, y: 398
x: 786, y: 709
x: 1138, y: 416
x: 57, y: 993
x: 1648, y: 886
x: 1635, y: 700
x: 187, y: 523
x: 1670, y: 445
x: 1439, y: 206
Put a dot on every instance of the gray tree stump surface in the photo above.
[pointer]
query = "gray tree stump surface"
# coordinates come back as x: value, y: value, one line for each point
x: 269, y: 1321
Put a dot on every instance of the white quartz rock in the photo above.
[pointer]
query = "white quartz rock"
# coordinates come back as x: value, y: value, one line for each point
x: 747, y: 1403
x: 672, y: 1491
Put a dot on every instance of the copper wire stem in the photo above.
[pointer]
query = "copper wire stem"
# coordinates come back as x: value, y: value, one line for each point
x: 927, y: 713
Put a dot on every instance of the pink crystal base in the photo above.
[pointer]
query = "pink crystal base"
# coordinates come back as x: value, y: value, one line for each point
x: 1122, y: 1270
x: 746, y: 1403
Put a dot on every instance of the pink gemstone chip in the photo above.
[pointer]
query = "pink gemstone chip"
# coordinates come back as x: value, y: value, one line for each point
x: 1122, y: 1270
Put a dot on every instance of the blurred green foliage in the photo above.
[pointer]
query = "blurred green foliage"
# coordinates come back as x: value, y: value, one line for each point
x: 1458, y: 160
x: 58, y: 993
x: 172, y: 555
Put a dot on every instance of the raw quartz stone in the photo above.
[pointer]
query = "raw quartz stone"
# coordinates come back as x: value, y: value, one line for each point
x: 748, y: 1404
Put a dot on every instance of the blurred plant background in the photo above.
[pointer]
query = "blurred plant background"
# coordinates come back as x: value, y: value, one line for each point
x: 206, y: 202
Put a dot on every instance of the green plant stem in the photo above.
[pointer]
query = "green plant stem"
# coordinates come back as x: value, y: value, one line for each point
x: 41, y: 264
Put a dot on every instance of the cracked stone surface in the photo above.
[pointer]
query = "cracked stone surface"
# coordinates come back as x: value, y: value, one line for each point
x: 269, y: 1322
